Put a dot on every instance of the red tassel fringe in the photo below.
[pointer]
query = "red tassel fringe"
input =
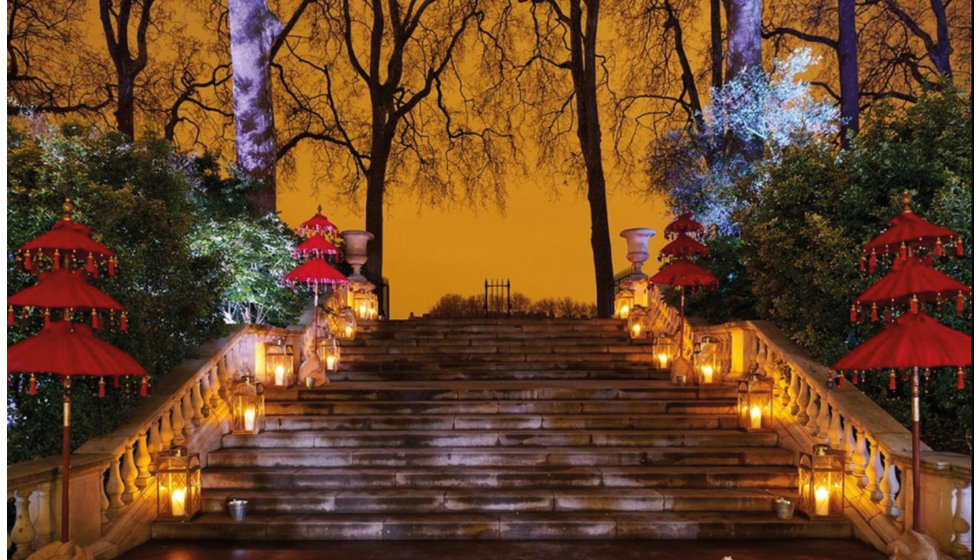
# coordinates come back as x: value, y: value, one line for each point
x: 57, y: 260
x: 873, y: 262
x: 874, y: 312
x: 939, y: 248
x: 891, y: 381
x: 914, y: 307
x: 959, y: 304
x: 862, y: 266
x: 854, y: 314
x: 101, y: 388
x: 90, y: 265
x: 143, y: 387
x: 47, y: 317
x: 854, y: 377
x: 960, y: 379
x: 112, y: 266
x: 115, y: 381
x: 123, y: 322
x: 32, y: 385
x: 28, y: 263
x: 959, y: 247
x: 10, y: 315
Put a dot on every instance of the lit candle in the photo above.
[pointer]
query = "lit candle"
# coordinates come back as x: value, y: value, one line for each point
x: 348, y: 331
x: 708, y: 373
x: 177, y: 502
x: 636, y: 330
x: 624, y: 312
x: 663, y: 360
x: 755, y: 415
x: 363, y: 311
x: 280, y: 376
x: 249, y: 418
x: 331, y: 362
x: 822, y: 500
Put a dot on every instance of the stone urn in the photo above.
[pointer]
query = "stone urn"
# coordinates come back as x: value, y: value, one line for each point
x: 355, y: 251
x: 637, y: 243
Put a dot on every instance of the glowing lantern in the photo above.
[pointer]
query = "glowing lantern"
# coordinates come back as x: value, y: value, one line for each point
x: 343, y: 324
x: 623, y: 302
x: 365, y: 305
x: 822, y: 482
x: 707, y: 361
x: 329, y: 353
x: 754, y: 395
x: 247, y: 406
x: 279, y: 363
x: 637, y: 323
x: 178, y: 484
x: 663, y: 352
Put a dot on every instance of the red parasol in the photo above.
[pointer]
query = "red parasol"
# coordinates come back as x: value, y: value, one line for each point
x: 314, y: 272
x: 317, y: 246
x: 906, y: 232
x: 684, y: 224
x: 912, y: 277
x: 913, y: 340
x: 317, y: 224
x: 66, y: 348
x: 68, y: 239
x: 683, y: 245
x: 684, y: 273
x: 66, y: 289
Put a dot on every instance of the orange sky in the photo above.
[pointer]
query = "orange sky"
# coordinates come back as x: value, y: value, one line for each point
x: 541, y: 243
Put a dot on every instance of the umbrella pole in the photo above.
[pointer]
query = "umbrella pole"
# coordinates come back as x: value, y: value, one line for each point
x: 65, y: 459
x: 682, y: 322
x: 916, y: 473
x: 316, y: 319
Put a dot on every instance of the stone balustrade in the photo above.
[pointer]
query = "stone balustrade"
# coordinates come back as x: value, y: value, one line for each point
x: 113, y: 490
x: 810, y: 408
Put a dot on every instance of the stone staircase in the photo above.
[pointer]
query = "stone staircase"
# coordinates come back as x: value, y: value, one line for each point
x: 499, y: 429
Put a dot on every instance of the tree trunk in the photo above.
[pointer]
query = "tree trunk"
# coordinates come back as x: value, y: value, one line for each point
x: 744, y: 36
x: 374, y: 212
x: 848, y: 68
x: 252, y: 29
x: 125, y: 112
x: 583, y: 68
x: 717, y: 54
x: 939, y: 55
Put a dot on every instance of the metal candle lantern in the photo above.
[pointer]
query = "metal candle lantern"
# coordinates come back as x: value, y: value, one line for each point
x: 754, y: 394
x: 248, y: 406
x: 343, y: 324
x: 637, y: 323
x: 178, y: 484
x: 329, y: 353
x: 663, y: 352
x: 365, y: 305
x: 623, y: 302
x: 821, y: 480
x: 707, y: 361
x: 279, y: 363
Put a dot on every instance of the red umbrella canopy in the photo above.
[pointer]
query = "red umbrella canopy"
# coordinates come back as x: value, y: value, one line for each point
x: 683, y: 246
x: 67, y: 348
x: 64, y: 288
x: 316, y: 245
x: 912, y: 276
x: 684, y: 224
x: 910, y: 231
x: 913, y: 340
x: 684, y: 273
x: 315, y: 271
x: 317, y: 224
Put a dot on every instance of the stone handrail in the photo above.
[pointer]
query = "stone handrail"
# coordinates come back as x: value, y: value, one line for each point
x: 113, y: 490
x: 810, y: 408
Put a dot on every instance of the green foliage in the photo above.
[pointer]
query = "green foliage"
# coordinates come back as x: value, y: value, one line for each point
x: 804, y: 232
x: 137, y: 204
x: 733, y: 300
x: 255, y: 254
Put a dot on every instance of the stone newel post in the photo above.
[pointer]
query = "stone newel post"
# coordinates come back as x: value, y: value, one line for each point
x: 637, y: 243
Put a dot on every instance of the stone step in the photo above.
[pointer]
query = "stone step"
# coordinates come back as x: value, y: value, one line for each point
x: 780, y: 476
x: 351, y: 372
x: 501, y: 390
x: 426, y: 500
x: 455, y: 525
x: 495, y: 346
x: 415, y: 439
x: 567, y: 407
x: 545, y: 359
x: 499, y: 457
x: 499, y: 422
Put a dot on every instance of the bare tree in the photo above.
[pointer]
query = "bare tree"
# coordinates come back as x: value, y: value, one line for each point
x: 378, y: 88
x: 128, y: 59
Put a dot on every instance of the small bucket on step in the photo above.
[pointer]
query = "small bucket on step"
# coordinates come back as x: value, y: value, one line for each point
x: 236, y: 509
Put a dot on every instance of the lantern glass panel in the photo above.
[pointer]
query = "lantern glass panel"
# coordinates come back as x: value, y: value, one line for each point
x: 707, y: 362
x: 663, y: 352
x: 822, y: 482
x: 623, y: 303
x: 279, y: 364
x: 328, y: 351
x: 754, y: 395
x: 343, y: 324
x: 365, y: 305
x: 248, y: 406
x: 637, y: 323
x: 178, y: 484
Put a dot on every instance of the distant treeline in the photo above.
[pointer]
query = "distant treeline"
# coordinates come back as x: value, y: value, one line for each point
x: 456, y: 306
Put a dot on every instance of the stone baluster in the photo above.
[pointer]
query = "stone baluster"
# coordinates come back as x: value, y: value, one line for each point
x: 836, y: 430
x: 821, y: 427
x: 177, y: 422
x: 889, y: 487
x: 785, y: 397
x: 813, y: 411
x: 129, y: 474
x: 862, y: 458
x: 802, y: 402
x: 166, y: 430
x: 22, y: 535
x: 850, y: 445
x: 207, y: 394
x: 44, y: 524
x: 143, y: 460
x: 187, y: 411
x: 874, y: 472
x: 103, y: 508
x: 197, y: 403
x: 795, y: 389
x: 154, y: 442
x: 222, y: 378
x: 114, y: 489
x: 962, y: 514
